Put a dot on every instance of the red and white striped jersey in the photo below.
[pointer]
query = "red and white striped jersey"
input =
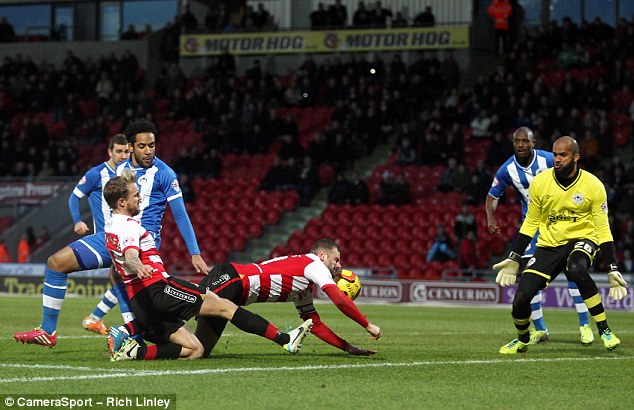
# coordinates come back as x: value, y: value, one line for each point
x: 287, y: 278
x: 123, y: 233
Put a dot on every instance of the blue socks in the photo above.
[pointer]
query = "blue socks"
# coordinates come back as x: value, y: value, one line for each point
x: 108, y: 301
x: 53, y: 295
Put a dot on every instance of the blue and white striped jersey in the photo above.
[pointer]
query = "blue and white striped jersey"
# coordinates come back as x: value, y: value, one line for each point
x: 513, y: 174
x: 158, y: 185
x: 91, y: 185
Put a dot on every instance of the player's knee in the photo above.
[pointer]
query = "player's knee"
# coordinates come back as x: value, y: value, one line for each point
x: 56, y: 262
x: 577, y: 270
x: 522, y: 300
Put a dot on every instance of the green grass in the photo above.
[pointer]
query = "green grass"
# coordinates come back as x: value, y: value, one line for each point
x: 429, y: 357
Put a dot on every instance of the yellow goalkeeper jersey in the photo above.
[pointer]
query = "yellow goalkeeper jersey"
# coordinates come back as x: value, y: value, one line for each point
x: 579, y: 211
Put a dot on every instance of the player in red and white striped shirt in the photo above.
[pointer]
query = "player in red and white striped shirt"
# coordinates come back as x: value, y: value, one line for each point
x: 163, y: 303
x: 285, y: 279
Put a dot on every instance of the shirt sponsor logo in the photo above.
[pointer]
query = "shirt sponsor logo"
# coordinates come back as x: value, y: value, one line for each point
x: 224, y: 278
x: 554, y: 217
x: 179, y: 294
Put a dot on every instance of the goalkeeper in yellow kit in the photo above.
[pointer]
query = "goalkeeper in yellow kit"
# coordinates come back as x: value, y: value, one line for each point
x: 569, y: 207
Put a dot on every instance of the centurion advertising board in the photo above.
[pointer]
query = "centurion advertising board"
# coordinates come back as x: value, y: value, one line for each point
x: 467, y: 293
x: 27, y: 280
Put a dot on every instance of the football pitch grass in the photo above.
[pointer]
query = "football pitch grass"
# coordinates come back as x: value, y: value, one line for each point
x: 429, y: 358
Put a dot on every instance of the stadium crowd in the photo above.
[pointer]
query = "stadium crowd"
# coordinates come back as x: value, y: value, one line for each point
x: 557, y: 80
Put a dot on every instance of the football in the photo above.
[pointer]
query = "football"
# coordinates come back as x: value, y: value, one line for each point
x: 349, y: 283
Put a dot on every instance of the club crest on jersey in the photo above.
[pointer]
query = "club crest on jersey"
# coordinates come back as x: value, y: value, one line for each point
x: 175, y: 185
x: 577, y: 198
x: 142, y: 180
x: 179, y: 294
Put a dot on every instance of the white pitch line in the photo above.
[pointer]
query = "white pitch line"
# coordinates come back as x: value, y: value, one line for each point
x: 144, y: 373
x: 57, y: 367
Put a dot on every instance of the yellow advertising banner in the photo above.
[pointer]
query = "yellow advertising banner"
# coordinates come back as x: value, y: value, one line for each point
x: 328, y: 41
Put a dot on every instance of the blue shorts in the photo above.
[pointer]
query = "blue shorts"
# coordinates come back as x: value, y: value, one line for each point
x: 91, y: 252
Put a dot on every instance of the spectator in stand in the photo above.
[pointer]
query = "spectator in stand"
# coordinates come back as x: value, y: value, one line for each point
x: 226, y: 63
x: 442, y: 248
x: 211, y: 19
x: 185, y: 184
x: 275, y: 176
x: 189, y: 20
x: 406, y: 154
x: 130, y: 33
x: 270, y: 24
x: 468, y: 256
x: 308, y: 182
x: 465, y: 222
x: 338, y: 15
x: 24, y: 249
x: 260, y: 16
x: 449, y: 177
x: 42, y: 237
x: 399, y: 21
x: 5, y: 253
x: 500, y: 12
x: 393, y: 191
x: 7, y: 32
x: 212, y: 164
x: 362, y: 17
x: 499, y: 151
x: 339, y: 192
x: 480, y: 125
x: 380, y: 15
x: 359, y: 191
x: 625, y: 206
x: 319, y: 18
x: 627, y: 262
x: 425, y: 18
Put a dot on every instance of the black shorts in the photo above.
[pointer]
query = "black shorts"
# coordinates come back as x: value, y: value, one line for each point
x: 163, y: 307
x: 549, y: 262
x: 224, y: 281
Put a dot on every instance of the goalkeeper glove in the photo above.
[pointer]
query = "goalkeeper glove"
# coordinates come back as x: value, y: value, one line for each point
x: 507, y: 270
x: 618, y: 285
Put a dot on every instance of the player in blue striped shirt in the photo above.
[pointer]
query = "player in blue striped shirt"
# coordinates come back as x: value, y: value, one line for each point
x: 518, y: 171
x: 86, y: 253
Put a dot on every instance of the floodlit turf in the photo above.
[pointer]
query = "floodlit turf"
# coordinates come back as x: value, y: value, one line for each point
x: 429, y: 357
